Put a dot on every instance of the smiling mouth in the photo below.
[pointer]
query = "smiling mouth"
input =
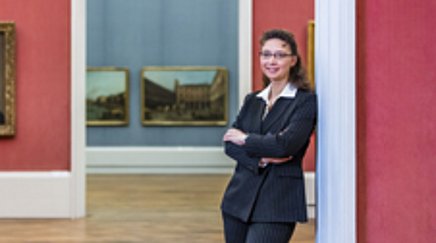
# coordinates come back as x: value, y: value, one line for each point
x: 272, y: 70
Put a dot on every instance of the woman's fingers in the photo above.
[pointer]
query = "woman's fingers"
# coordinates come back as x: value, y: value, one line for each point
x: 234, y: 135
x: 277, y: 160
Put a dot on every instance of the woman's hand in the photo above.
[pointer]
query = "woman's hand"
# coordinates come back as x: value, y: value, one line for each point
x: 275, y: 160
x: 235, y: 136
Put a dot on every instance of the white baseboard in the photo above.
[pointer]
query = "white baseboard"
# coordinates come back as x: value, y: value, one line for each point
x: 35, y: 195
x: 309, y: 180
x: 162, y: 160
x: 171, y: 160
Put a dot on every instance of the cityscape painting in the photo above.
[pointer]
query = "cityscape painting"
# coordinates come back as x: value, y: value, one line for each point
x: 184, y: 96
x: 107, y: 96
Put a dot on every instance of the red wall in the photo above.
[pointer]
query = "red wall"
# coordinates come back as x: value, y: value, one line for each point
x: 396, y: 121
x: 293, y: 16
x: 42, y: 140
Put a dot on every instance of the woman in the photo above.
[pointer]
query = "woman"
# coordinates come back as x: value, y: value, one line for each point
x: 265, y: 196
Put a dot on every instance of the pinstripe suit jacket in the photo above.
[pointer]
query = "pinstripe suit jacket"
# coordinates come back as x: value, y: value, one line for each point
x: 276, y: 193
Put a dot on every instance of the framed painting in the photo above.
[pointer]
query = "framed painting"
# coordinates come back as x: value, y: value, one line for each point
x: 311, y: 53
x: 184, y: 96
x: 7, y: 79
x: 107, y: 96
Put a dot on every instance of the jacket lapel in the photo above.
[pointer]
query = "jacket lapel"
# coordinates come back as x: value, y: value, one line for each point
x: 275, y: 113
x: 256, y: 122
x: 281, y: 111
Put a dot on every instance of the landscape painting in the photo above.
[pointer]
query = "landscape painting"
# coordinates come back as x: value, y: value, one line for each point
x: 107, y: 96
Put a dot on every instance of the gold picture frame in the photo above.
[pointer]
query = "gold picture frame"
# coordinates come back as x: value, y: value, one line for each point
x: 107, y: 96
x: 184, y: 96
x: 7, y: 79
x: 311, y: 53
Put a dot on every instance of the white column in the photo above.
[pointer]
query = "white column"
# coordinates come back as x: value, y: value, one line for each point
x: 336, y: 135
x: 78, y: 132
x: 245, y: 48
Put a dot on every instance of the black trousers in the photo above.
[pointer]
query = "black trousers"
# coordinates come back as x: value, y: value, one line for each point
x: 237, y: 231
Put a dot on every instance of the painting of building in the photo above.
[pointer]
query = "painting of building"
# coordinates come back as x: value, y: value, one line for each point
x: 184, y: 96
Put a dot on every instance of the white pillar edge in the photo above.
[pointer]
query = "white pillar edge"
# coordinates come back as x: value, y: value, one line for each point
x: 245, y: 48
x: 336, y: 132
x: 78, y: 132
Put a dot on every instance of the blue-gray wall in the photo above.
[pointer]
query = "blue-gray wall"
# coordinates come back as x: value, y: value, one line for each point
x: 137, y: 33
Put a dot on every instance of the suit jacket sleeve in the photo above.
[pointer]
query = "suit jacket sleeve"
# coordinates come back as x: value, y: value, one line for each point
x: 236, y: 152
x: 289, y: 140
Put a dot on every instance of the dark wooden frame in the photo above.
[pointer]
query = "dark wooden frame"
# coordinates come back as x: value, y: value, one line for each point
x: 7, y: 79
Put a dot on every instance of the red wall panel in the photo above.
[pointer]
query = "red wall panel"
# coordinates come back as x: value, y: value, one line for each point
x: 293, y: 16
x: 42, y: 140
x: 396, y: 121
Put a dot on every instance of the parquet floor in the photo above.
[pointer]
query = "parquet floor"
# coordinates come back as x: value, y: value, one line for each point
x: 140, y: 208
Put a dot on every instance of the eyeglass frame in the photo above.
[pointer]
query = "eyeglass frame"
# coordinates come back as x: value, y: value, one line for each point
x: 276, y: 55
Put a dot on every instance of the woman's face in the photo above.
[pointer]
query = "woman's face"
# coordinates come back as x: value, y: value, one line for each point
x: 276, y: 60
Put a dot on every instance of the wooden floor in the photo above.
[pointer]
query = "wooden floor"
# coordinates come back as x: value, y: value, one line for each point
x: 140, y: 208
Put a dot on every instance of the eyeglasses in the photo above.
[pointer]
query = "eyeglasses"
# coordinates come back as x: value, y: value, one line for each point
x: 276, y: 55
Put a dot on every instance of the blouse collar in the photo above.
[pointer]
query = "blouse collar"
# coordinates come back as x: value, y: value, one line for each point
x: 288, y: 92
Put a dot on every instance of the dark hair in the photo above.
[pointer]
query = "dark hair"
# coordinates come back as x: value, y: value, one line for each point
x: 297, y: 74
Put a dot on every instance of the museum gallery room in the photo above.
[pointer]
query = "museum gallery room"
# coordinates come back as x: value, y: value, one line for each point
x: 113, y: 113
